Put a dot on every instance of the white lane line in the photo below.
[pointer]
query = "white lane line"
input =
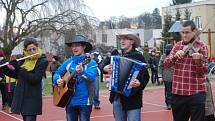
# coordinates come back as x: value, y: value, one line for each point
x: 157, y: 111
x: 154, y: 104
x: 144, y: 112
x: 11, y: 116
x: 147, y: 103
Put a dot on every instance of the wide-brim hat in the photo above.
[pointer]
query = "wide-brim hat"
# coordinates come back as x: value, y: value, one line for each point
x: 80, y: 39
x: 131, y: 35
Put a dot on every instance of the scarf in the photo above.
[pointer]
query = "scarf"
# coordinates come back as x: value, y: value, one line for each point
x: 77, y: 59
x: 30, y: 62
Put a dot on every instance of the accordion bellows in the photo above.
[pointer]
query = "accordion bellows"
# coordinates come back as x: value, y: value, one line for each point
x: 124, y: 70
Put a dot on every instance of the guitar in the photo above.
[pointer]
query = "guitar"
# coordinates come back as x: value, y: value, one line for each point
x: 62, y: 94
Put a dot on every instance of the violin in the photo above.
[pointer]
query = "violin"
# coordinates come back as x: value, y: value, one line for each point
x: 190, y: 49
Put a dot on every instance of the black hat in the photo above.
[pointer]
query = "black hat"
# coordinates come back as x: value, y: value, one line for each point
x: 80, y: 39
x: 169, y: 47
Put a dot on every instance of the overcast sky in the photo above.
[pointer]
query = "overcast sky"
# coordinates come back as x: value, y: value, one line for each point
x: 103, y: 9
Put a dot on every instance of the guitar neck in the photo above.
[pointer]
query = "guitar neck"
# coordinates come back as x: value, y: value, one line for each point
x: 69, y: 75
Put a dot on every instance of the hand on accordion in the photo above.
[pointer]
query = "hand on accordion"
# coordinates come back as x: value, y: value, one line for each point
x: 135, y: 83
x: 108, y: 69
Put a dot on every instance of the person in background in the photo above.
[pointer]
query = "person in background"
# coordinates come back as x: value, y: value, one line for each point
x: 2, y: 81
x: 53, y: 65
x: 106, y: 76
x: 27, y: 98
x: 128, y: 108
x: 43, y: 84
x: 10, y: 85
x: 166, y: 76
x: 153, y: 64
x: 209, y: 103
x: 80, y: 104
x: 98, y: 58
x: 190, y: 60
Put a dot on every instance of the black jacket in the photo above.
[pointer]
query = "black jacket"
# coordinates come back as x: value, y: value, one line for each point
x: 135, y: 100
x: 27, y: 98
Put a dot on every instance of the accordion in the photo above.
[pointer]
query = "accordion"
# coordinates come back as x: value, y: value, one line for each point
x: 124, y: 70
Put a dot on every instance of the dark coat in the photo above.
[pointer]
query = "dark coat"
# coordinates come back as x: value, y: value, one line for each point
x: 153, y: 61
x: 27, y: 98
x: 135, y: 100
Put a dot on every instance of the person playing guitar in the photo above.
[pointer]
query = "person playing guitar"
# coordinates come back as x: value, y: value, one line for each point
x: 81, y: 73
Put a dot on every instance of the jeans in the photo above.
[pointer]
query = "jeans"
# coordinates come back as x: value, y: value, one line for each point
x: 3, y: 93
x: 29, y: 117
x: 96, y: 100
x: 122, y: 115
x: 168, y: 92
x: 42, y: 85
x: 154, y: 77
x: 81, y: 112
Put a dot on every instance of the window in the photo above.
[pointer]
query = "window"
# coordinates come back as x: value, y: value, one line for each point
x: 198, y: 22
x: 104, y: 38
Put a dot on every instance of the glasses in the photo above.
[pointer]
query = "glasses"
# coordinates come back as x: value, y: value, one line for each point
x: 31, y: 49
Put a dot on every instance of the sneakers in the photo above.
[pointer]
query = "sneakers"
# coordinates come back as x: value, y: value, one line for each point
x: 97, y: 107
x: 4, y: 107
x: 169, y: 107
x: 9, y: 111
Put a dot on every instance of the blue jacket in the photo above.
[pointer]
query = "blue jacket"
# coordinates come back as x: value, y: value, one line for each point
x: 83, y: 88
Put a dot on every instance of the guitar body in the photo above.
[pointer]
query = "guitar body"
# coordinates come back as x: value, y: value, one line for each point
x: 62, y: 94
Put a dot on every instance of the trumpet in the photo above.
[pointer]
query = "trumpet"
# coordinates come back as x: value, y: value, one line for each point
x: 4, y: 64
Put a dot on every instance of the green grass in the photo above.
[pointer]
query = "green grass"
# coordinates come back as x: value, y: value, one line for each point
x: 48, y: 85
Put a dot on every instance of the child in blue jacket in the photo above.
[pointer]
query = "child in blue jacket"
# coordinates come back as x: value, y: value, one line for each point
x: 80, y: 103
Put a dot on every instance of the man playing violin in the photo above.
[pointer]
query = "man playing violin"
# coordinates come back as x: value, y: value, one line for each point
x: 189, y: 58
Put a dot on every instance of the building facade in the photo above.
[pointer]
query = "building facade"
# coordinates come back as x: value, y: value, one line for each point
x: 109, y: 37
x: 202, y: 13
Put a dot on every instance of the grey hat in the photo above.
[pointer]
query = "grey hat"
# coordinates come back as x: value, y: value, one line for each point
x: 131, y: 35
x: 80, y: 39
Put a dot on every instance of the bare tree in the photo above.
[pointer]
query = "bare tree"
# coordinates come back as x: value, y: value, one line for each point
x: 27, y: 17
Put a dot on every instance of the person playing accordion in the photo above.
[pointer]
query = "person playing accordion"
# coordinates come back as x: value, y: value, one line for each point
x: 128, y: 107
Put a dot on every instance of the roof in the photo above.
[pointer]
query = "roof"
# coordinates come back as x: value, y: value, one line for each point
x: 176, y: 27
x: 207, y: 2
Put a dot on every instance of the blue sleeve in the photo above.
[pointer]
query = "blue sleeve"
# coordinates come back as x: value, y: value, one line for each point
x: 61, y: 71
x: 90, y: 71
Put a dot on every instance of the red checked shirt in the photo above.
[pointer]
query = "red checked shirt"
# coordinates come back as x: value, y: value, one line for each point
x: 189, y: 75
